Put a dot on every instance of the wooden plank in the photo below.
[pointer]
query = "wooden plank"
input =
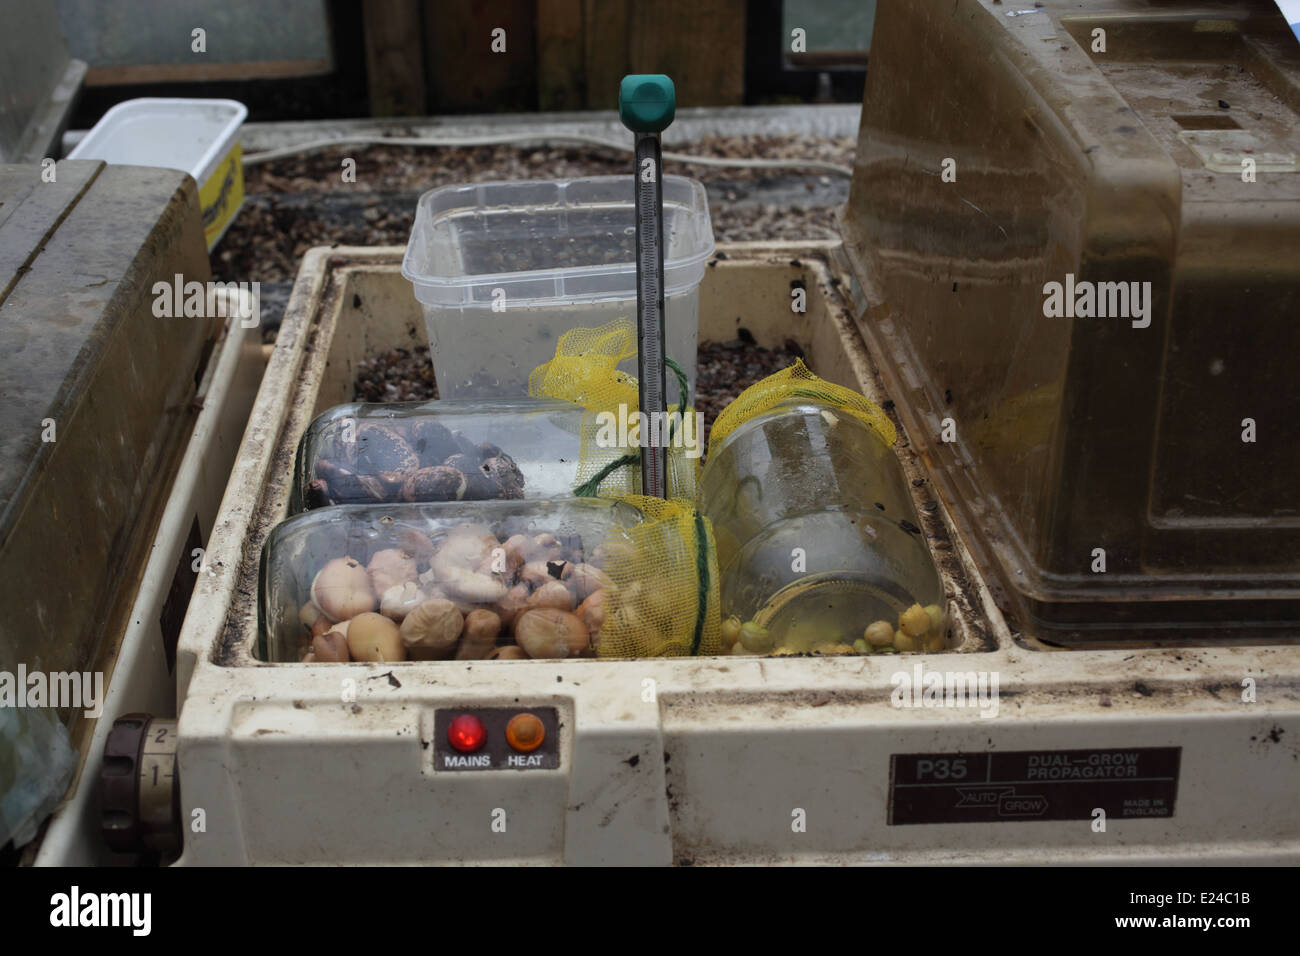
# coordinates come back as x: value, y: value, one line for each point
x: 605, y: 39
x: 394, y: 57
x: 561, y: 57
x: 465, y: 75
x: 700, y: 45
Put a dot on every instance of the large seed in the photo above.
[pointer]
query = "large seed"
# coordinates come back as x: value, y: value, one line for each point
x: 373, y: 637
x: 432, y: 629
x: 549, y: 633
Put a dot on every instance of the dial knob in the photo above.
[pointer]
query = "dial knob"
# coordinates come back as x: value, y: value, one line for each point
x: 139, y: 785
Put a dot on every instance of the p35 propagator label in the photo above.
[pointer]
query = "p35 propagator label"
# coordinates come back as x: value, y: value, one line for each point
x: 1023, y: 785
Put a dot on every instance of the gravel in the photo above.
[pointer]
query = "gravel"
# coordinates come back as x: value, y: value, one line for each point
x: 725, y: 369
x: 303, y: 201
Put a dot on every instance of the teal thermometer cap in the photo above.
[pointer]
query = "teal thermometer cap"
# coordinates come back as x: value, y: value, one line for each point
x: 647, y: 102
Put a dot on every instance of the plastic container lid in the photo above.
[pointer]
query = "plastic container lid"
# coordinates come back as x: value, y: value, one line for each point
x: 187, y: 134
x: 571, y: 240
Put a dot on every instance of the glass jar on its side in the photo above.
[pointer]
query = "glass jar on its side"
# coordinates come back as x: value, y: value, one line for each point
x: 365, y: 453
x: 439, y: 581
x: 819, y: 547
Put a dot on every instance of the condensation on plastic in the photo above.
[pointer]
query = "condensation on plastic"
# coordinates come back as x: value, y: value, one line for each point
x: 365, y: 453
x: 816, y: 534
x: 502, y: 270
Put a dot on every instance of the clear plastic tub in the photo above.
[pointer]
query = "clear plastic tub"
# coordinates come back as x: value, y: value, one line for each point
x: 502, y: 270
x: 817, y: 537
x: 452, y: 580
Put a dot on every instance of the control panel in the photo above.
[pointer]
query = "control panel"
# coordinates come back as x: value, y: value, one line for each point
x: 496, y: 738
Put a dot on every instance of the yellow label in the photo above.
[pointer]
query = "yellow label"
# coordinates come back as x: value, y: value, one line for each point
x: 221, y: 195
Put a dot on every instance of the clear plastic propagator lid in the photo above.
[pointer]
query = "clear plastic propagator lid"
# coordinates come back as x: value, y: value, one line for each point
x: 466, y: 581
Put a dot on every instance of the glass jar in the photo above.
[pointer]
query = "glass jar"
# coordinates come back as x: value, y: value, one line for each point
x: 817, y: 537
x: 365, y: 453
x: 439, y: 581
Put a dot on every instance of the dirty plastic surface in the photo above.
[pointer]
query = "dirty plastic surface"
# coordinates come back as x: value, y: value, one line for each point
x: 1156, y: 178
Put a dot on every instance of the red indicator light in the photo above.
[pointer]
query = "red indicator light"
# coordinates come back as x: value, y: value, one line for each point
x: 467, y: 733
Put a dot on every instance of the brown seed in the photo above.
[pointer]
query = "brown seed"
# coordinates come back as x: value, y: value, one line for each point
x: 552, y: 594
x: 501, y: 472
x: 390, y: 567
x: 551, y: 633
x: 592, y: 612
x: 415, y: 543
x: 342, y: 589
x: 432, y: 441
x: 515, y: 601
x: 518, y: 550
x: 510, y: 652
x: 438, y: 483
x: 432, y: 629
x: 479, y: 636
x: 401, y: 599
x: 585, y: 578
x: 373, y: 637
x: 331, y: 647
x: 381, y: 450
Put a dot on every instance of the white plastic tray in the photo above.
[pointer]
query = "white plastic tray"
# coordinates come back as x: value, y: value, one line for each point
x: 185, y: 134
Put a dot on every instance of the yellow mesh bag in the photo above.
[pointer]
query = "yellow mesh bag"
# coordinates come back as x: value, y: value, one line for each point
x: 585, y: 371
x: 585, y: 368
x: 664, y: 600
x: 797, y: 382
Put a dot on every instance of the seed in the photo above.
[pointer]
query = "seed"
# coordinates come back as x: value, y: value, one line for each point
x: 432, y: 629
x: 373, y: 637
x: 389, y: 568
x: 549, y: 633
x: 552, y: 594
x: 585, y: 578
x: 879, y: 633
x: 904, y: 642
x: 592, y: 612
x: 936, y: 617
x: 342, y: 589
x: 755, y: 638
x: 914, y: 621
x: 730, y: 632
x: 479, y: 636
x: 332, y: 647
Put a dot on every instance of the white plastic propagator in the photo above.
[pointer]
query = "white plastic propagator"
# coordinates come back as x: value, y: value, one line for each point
x: 994, y: 749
